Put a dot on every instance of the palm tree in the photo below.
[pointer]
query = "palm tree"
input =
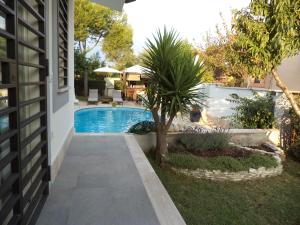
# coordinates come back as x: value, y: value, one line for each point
x: 174, y: 75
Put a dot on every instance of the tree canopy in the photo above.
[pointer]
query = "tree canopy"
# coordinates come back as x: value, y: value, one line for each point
x: 96, y: 24
x: 268, y: 32
x: 87, y: 64
x: 221, y: 60
x: 92, y: 23
x: 117, y: 45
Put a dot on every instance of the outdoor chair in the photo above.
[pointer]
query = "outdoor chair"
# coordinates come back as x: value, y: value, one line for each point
x: 117, y: 97
x: 93, y: 96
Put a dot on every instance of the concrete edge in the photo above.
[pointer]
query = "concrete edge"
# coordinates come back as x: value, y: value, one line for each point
x: 78, y: 107
x: 165, y: 209
x: 55, y: 167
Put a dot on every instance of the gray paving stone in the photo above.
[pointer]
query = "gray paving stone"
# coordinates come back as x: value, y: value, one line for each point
x: 98, y: 184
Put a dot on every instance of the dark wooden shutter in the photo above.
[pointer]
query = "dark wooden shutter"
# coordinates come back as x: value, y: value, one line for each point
x: 62, y: 30
x: 24, y: 168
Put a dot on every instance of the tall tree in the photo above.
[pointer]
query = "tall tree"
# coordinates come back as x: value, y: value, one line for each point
x: 268, y: 32
x: 118, y: 45
x: 87, y: 64
x: 173, y: 78
x: 220, y: 59
x: 93, y: 24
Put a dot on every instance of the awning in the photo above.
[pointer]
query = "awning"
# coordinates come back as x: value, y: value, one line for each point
x: 133, y: 77
x: 113, y: 4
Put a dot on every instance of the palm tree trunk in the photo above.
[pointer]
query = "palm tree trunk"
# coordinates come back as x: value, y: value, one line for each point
x: 161, y: 145
x: 285, y: 90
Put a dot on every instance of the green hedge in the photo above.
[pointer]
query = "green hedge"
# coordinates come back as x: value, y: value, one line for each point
x: 93, y: 84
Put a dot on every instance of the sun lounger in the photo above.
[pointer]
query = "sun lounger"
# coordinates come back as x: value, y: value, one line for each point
x: 117, y: 97
x: 93, y: 96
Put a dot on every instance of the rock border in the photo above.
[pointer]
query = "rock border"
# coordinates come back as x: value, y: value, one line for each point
x: 251, y: 174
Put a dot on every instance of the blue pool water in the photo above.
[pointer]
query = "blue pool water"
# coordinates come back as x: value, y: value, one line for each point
x: 108, y: 119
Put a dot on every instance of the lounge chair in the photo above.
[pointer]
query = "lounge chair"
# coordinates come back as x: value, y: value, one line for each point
x: 117, y: 97
x: 93, y: 96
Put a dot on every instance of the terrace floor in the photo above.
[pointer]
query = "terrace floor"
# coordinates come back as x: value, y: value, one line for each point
x: 99, y: 183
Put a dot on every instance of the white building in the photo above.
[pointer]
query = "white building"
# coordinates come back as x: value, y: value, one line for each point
x: 36, y: 102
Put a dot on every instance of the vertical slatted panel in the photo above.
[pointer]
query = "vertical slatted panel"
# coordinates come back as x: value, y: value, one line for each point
x: 23, y: 113
x: 62, y: 30
x: 32, y: 81
x: 10, y: 182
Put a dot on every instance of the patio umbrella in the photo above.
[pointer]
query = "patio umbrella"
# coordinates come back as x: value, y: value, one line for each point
x: 135, y: 69
x: 106, y: 69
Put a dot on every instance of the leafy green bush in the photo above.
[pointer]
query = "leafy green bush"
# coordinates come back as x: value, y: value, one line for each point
x: 223, y: 163
x: 118, y: 85
x: 93, y: 84
x: 143, y: 127
x: 295, y: 124
x: 203, y: 140
x: 295, y: 149
x: 253, y: 113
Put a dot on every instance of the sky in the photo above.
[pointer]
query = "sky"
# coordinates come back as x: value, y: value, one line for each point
x: 191, y: 18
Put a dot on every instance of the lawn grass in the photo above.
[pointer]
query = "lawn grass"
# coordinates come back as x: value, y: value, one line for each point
x: 272, y: 201
x: 223, y: 163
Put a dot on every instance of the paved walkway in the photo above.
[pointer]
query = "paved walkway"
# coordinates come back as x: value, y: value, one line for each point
x: 98, y: 184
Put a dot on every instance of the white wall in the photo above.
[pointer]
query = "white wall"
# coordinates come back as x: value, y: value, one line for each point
x: 60, y: 123
x: 216, y: 104
x: 289, y: 72
x: 109, y: 86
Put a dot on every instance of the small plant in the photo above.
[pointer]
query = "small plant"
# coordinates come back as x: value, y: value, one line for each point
x: 143, y: 127
x: 114, y: 104
x: 253, y: 113
x: 198, y: 139
x: 195, y: 113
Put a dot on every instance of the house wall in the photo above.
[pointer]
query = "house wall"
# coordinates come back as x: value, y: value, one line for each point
x: 60, y: 120
x: 289, y: 72
x: 217, y: 105
x: 60, y: 95
x: 113, y: 4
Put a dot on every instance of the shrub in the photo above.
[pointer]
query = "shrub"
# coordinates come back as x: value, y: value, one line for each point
x: 143, y: 127
x: 93, y: 84
x: 253, y: 113
x: 118, y: 85
x: 295, y: 149
x: 295, y: 124
x: 198, y: 140
x: 257, y: 160
x: 223, y: 163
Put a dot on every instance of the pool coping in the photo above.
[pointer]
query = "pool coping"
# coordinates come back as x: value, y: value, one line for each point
x: 78, y: 107
x: 161, y: 201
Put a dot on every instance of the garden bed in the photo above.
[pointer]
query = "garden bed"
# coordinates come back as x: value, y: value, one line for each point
x: 211, y: 156
x: 267, y: 201
x: 231, y: 164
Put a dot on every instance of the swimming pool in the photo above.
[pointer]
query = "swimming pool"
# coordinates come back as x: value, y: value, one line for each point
x: 108, y: 119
